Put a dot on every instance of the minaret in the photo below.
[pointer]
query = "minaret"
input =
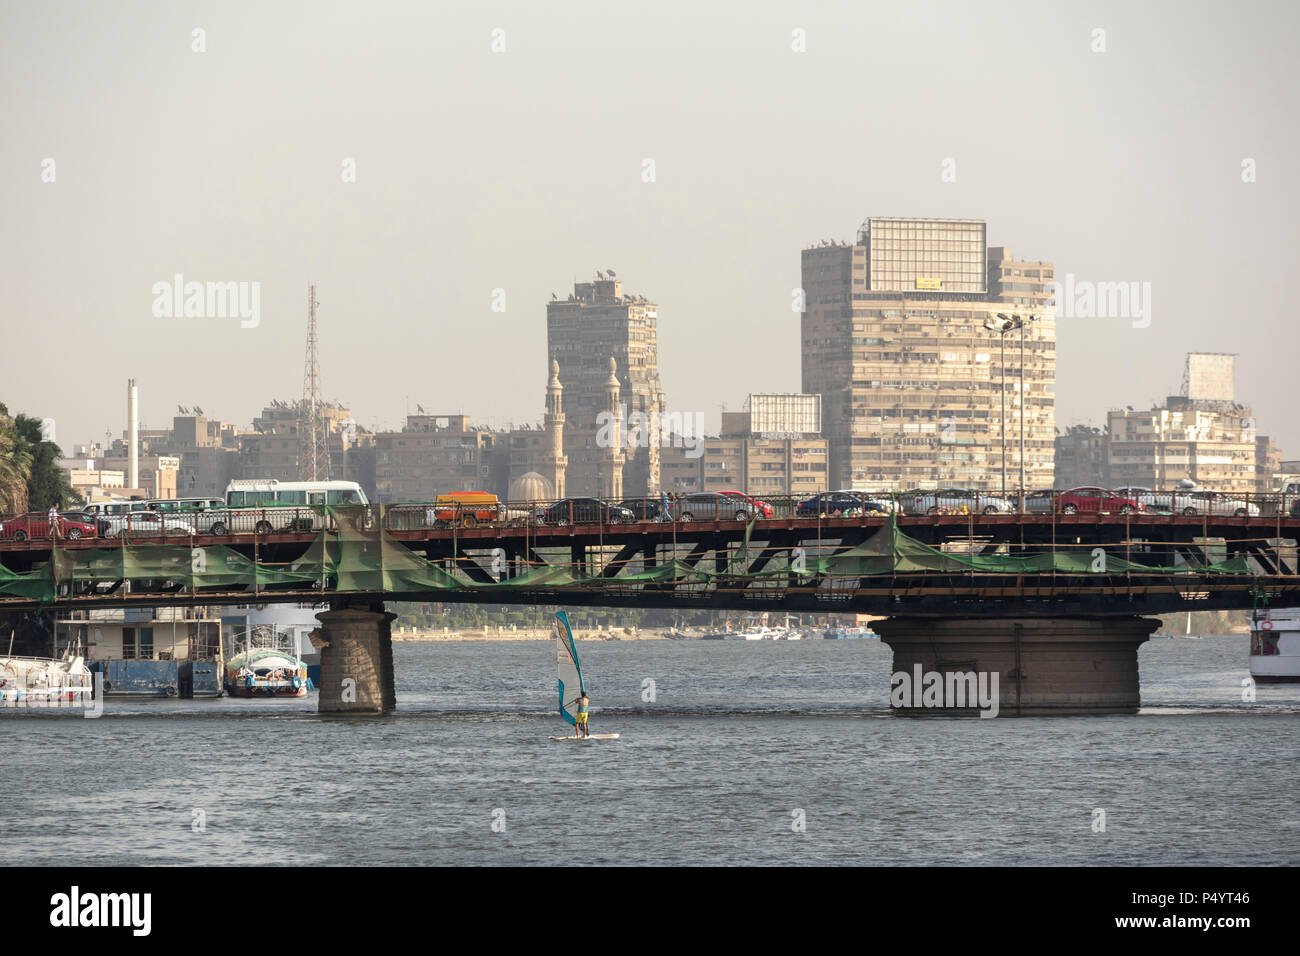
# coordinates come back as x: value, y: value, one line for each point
x: 611, y: 463
x: 555, y: 460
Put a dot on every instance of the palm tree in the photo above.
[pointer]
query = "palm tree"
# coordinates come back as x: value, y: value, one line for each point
x: 16, y: 460
x: 30, y: 477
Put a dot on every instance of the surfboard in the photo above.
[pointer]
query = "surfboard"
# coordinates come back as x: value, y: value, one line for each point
x: 592, y: 737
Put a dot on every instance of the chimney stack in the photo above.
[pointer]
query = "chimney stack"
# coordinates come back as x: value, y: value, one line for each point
x: 133, y: 433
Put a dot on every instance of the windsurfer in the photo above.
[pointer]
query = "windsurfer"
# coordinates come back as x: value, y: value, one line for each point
x: 584, y: 702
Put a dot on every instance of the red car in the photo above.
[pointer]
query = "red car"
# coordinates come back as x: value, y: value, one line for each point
x: 762, y: 507
x: 36, y: 524
x: 1095, y: 501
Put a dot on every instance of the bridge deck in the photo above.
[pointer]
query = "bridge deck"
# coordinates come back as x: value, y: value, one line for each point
x: 991, y: 563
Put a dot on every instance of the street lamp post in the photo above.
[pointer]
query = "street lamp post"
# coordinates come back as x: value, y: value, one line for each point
x: 1002, y: 328
x: 1004, y: 324
x: 1022, y: 323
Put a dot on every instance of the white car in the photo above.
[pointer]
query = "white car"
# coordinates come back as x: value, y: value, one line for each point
x: 142, y: 524
x: 958, y: 501
x: 1156, y: 501
x: 1212, y: 503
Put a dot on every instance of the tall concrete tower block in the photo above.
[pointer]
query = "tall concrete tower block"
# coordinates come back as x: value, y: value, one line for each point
x: 597, y: 320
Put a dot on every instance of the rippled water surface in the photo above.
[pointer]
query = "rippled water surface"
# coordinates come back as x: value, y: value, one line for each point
x: 739, y: 738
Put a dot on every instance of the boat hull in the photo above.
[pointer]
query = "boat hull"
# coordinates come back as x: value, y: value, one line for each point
x: 1275, y: 647
x: 263, y: 691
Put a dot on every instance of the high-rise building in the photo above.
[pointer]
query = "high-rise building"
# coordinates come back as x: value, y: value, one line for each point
x: 583, y: 332
x: 894, y: 340
x: 1203, y: 435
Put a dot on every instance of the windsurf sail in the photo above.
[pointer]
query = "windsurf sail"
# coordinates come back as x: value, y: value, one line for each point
x: 570, y: 674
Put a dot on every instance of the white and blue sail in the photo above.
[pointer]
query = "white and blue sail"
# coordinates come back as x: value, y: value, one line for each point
x: 570, y: 673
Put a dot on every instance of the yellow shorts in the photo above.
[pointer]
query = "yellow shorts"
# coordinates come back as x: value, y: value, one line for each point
x: 582, y: 718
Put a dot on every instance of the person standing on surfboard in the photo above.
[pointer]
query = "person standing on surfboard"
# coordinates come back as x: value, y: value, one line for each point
x: 584, y: 703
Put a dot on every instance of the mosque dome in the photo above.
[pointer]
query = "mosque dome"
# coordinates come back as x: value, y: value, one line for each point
x: 531, y: 487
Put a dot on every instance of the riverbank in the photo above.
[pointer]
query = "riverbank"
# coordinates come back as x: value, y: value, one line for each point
x: 512, y: 633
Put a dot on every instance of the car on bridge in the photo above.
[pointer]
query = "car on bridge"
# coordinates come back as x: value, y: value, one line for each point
x: 584, y: 511
x: 841, y: 504
x: 468, y: 509
x: 1093, y: 500
x: 1212, y: 503
x: 36, y: 524
x: 763, y: 509
x: 957, y: 501
x: 1039, y: 502
x: 1156, y: 501
x: 714, y: 506
x: 648, y: 509
x: 144, y: 524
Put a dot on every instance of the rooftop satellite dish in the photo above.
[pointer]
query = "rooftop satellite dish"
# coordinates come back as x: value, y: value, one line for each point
x: 610, y: 273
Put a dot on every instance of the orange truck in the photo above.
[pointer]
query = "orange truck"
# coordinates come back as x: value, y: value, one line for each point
x: 465, y: 508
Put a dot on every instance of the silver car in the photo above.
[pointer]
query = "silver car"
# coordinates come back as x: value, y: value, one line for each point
x: 1039, y: 502
x: 142, y: 524
x: 957, y: 501
x: 1212, y: 503
x: 1157, y: 501
x: 711, y: 506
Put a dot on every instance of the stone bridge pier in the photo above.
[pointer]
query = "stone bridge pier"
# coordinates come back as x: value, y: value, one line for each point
x: 1044, y: 666
x: 356, y: 660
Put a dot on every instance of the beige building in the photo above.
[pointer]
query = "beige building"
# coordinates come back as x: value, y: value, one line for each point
x: 158, y: 473
x: 270, y: 450
x: 770, y: 449
x: 93, y: 483
x: 911, y: 381
x: 437, y: 454
x: 1204, y: 435
x: 432, y: 455
x: 757, y: 466
x: 1155, y: 448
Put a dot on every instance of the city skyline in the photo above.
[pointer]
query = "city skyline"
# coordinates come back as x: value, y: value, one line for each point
x: 252, y: 187
x: 371, y: 424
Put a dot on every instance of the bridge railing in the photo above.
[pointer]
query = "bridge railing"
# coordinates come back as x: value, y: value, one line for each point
x: 660, y: 509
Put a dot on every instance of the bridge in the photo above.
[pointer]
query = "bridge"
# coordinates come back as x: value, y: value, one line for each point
x: 1053, y: 602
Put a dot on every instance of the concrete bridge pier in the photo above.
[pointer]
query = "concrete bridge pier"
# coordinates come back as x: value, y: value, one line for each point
x: 356, y: 662
x: 1043, y: 666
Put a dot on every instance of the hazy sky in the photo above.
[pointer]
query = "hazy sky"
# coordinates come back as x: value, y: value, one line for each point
x: 523, y: 170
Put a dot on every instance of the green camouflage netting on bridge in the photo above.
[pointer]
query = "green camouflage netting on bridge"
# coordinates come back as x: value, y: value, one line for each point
x: 890, y: 551
x: 358, y: 556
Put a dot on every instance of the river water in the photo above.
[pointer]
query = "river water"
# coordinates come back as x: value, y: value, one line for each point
x: 737, y: 752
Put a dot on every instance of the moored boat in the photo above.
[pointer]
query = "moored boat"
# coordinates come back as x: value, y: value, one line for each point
x: 843, y: 632
x: 44, y: 681
x: 266, y: 664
